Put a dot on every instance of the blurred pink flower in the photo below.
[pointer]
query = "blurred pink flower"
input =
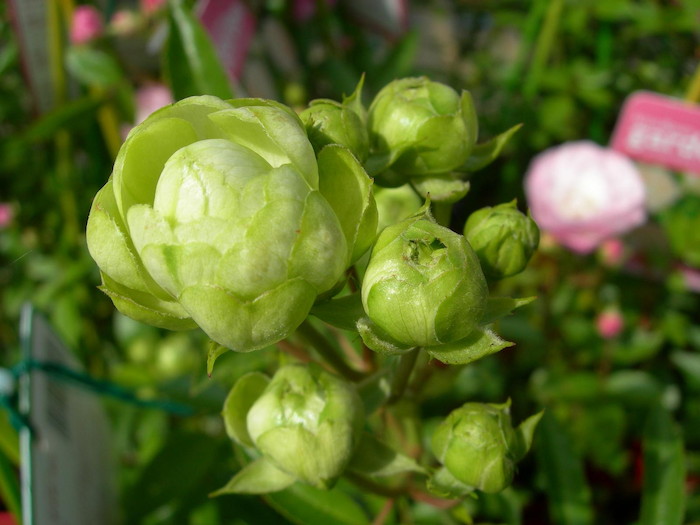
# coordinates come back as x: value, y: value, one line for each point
x: 691, y: 278
x: 302, y: 10
x: 609, y: 323
x: 6, y: 214
x: 149, y: 98
x: 125, y: 22
x: 86, y: 24
x: 149, y: 7
x: 612, y: 252
x: 583, y: 193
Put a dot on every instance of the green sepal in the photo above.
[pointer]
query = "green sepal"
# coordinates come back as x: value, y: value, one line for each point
x: 499, y: 307
x: 258, y: 477
x: 374, y: 458
x: 448, y: 188
x: 348, y: 189
x: 146, y: 308
x: 444, y: 485
x: 215, y: 350
x: 470, y: 118
x: 523, y: 436
x: 242, y: 396
x: 485, y: 153
x: 343, y: 312
x: 354, y: 101
x: 377, y: 163
x: 378, y: 340
x: 478, y: 344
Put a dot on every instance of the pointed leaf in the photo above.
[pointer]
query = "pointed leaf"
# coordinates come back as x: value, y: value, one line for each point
x: 524, y: 434
x: 445, y: 485
x: 191, y: 62
x: 342, y: 313
x: 354, y: 101
x: 480, y: 343
x: 375, y: 458
x: 663, y: 496
x: 562, y: 470
x: 215, y: 350
x: 242, y: 396
x: 485, y: 153
x: 92, y: 67
x: 258, y: 477
x: 499, y: 307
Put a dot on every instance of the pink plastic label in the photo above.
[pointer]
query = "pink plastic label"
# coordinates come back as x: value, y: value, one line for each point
x: 231, y: 26
x: 659, y: 130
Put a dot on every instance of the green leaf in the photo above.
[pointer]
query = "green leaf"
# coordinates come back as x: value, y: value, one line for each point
x: 93, y: 67
x: 376, y: 339
x: 485, y: 153
x: 305, y: 504
x: 375, y: 458
x: 258, y: 477
x: 480, y: 343
x: 243, y: 395
x: 499, y: 307
x: 562, y: 470
x: 215, y: 351
x: 524, y: 434
x: 9, y: 440
x: 9, y: 487
x: 448, y: 188
x: 375, y: 390
x: 342, y: 313
x: 444, y: 485
x: 191, y: 63
x: 354, y: 101
x: 70, y: 114
x: 663, y: 495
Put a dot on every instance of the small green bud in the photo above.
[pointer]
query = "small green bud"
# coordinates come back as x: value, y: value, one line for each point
x: 430, y: 124
x: 329, y: 122
x: 308, y: 423
x: 423, y: 285
x: 503, y: 238
x: 479, y: 446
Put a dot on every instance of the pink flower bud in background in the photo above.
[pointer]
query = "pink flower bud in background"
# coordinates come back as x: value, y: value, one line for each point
x: 148, y: 7
x: 583, y: 193
x: 86, y: 24
x: 149, y: 98
x: 125, y: 22
x: 691, y: 278
x: 609, y: 323
x: 612, y: 252
x: 6, y: 215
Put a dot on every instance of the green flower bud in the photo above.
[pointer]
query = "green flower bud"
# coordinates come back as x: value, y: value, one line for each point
x: 503, y: 238
x: 307, y: 422
x: 213, y: 214
x: 423, y: 285
x: 329, y: 122
x: 479, y: 446
x: 429, y: 125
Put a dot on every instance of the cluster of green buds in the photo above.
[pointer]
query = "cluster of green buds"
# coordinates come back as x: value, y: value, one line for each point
x: 242, y: 218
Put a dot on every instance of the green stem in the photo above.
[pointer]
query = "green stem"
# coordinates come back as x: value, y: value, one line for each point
x: 543, y: 48
x: 326, y: 350
x: 403, y: 373
x: 372, y: 486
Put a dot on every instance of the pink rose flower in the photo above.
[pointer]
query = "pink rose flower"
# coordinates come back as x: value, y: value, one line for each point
x: 582, y: 194
x: 86, y: 24
x: 609, y: 323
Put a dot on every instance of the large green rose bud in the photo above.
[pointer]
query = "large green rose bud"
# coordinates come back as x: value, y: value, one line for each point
x: 503, y: 238
x: 423, y: 285
x: 479, y: 446
x: 307, y: 422
x: 330, y: 122
x: 427, y: 124
x: 213, y: 216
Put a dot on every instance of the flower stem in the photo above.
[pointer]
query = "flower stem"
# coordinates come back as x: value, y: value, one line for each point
x: 326, y: 350
x: 372, y: 486
x: 403, y: 373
